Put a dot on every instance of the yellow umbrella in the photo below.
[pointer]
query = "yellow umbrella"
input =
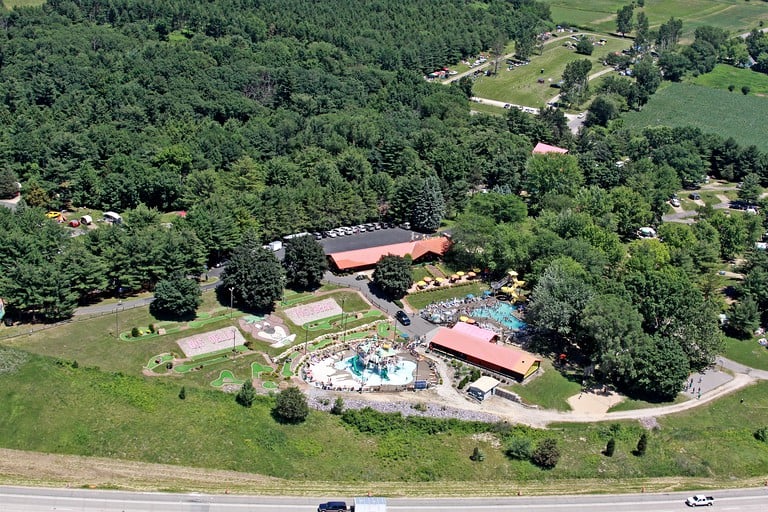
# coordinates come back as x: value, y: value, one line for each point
x: 507, y: 289
x: 512, y: 273
x: 476, y: 270
x: 427, y: 279
x: 463, y: 318
x: 439, y: 279
x: 459, y: 273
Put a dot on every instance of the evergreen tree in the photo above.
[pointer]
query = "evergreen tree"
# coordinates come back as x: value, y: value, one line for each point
x: 338, y: 406
x: 429, y: 207
x: 254, y: 276
x: 177, y: 297
x: 610, y: 447
x: 183, y: 393
x: 246, y: 395
x: 642, y: 444
x: 546, y: 455
x: 304, y: 262
x: 393, y: 276
x: 291, y: 406
x: 8, y: 180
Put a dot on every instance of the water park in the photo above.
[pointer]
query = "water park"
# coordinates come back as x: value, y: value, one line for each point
x: 370, y: 364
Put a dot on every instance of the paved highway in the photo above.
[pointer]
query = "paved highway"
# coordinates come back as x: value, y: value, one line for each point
x: 16, y: 499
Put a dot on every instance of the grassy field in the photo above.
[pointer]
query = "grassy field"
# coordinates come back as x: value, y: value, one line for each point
x: 737, y: 16
x: 98, y: 413
x: 10, y: 4
x: 550, y: 390
x: 712, y: 110
x: 419, y: 300
x: 520, y: 86
x: 723, y: 76
x: 747, y: 352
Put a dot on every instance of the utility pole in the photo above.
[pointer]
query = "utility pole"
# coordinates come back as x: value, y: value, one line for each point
x: 231, y: 299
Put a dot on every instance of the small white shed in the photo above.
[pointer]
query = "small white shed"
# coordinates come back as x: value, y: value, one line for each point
x: 370, y: 504
x: 483, y: 387
x: 86, y: 220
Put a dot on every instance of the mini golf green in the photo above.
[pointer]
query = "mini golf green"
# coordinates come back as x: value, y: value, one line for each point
x: 226, y: 377
x: 257, y: 369
x: 158, y: 360
x: 187, y: 367
x: 286, y: 372
x: 268, y: 384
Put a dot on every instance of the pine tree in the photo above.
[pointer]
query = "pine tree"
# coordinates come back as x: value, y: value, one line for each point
x: 642, y: 445
x: 429, y: 208
x: 183, y: 393
x: 246, y: 395
x: 610, y: 447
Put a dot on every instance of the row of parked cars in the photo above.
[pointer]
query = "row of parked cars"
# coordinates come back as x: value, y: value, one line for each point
x: 353, y: 230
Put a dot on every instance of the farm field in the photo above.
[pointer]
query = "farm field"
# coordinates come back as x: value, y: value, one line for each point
x: 729, y: 114
x: 22, y: 3
x: 520, y: 85
x: 735, y: 16
x: 723, y: 76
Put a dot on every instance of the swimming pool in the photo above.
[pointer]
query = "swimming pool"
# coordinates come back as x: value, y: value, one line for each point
x: 502, y: 312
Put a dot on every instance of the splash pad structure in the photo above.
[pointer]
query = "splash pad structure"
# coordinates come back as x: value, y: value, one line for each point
x: 371, y: 363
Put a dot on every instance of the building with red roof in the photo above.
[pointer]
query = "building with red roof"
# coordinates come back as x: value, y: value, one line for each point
x: 544, y: 149
x: 361, y: 259
x: 473, y: 346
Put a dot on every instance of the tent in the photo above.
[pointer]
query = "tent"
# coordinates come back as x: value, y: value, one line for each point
x: 86, y: 220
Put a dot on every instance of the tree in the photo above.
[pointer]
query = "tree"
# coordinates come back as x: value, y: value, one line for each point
x: 176, y: 297
x: 744, y: 318
x: 642, y: 33
x: 305, y: 262
x: 750, y: 188
x: 519, y: 448
x: 624, y: 19
x: 668, y: 35
x: 603, y: 109
x: 254, y: 275
x: 546, y: 455
x: 647, y: 77
x: 429, y: 207
x: 642, y: 444
x: 661, y: 368
x: 552, y: 174
x: 584, y: 46
x: 393, y: 276
x: 246, y: 395
x: 745, y: 90
x: 673, y: 65
x: 291, y: 406
x: 183, y: 393
x: 610, y: 447
x: 8, y: 184
x: 337, y: 408
x: 702, y: 56
x: 576, y: 81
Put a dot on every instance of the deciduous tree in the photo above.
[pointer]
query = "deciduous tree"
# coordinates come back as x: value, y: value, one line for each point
x: 393, y: 276
x: 305, y: 262
x: 291, y: 406
x: 177, y: 297
x: 254, y: 275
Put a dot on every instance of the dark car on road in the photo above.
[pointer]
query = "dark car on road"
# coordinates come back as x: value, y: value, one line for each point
x: 402, y: 317
x: 332, y: 506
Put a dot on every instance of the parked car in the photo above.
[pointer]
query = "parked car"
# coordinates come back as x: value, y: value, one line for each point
x: 402, y: 317
x: 695, y: 196
x: 675, y: 202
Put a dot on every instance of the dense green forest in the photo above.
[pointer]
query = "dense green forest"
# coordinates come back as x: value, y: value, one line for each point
x: 267, y: 118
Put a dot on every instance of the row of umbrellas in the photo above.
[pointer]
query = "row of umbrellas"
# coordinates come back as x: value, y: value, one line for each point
x: 454, y: 277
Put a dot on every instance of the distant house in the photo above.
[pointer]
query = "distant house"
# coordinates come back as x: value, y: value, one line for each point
x: 471, y: 345
x: 362, y: 259
x: 544, y: 149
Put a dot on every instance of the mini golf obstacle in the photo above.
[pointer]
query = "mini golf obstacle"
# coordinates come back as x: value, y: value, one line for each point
x: 213, y: 341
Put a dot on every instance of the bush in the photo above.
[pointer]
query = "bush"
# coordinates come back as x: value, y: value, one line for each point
x: 135, y: 332
x: 246, y: 395
x: 642, y: 445
x: 761, y: 434
x: 474, y: 374
x: 463, y: 382
x: 745, y: 90
x: 610, y: 447
x: 338, y: 407
x: 183, y: 393
x: 151, y: 328
x: 547, y: 454
x: 731, y: 87
x: 291, y: 406
x: 519, y: 448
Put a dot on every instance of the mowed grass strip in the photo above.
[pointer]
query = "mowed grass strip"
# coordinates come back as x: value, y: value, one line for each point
x: 727, y: 114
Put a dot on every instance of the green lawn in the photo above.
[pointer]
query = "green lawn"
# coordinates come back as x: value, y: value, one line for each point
x: 549, y: 390
x: 631, y: 405
x: 712, y: 110
x: 10, y: 4
x: 748, y: 352
x: 419, y: 300
x: 723, y: 76
x: 736, y: 16
x: 520, y: 85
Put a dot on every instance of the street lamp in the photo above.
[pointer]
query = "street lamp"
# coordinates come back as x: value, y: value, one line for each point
x: 343, y: 320
x: 231, y: 299
x: 306, y: 337
x: 234, y: 341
